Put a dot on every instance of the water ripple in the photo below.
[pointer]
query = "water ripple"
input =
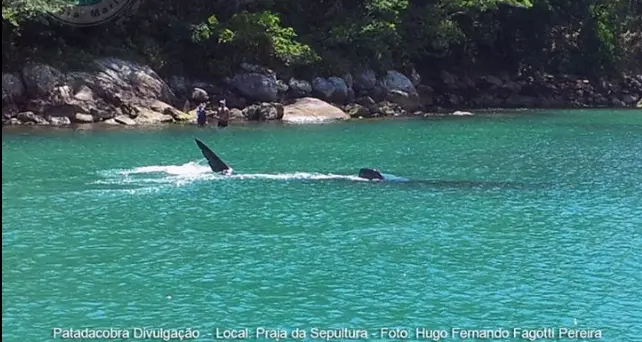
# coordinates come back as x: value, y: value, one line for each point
x: 131, y: 239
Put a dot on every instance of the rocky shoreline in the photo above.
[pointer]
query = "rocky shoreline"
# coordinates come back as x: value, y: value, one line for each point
x: 114, y: 91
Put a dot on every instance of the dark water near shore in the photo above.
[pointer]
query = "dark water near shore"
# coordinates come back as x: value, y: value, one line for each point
x: 530, y: 220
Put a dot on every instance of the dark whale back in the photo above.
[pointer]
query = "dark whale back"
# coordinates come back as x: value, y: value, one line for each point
x: 370, y: 174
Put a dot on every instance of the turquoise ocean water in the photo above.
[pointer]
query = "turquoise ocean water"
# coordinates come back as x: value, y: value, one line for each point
x: 528, y: 220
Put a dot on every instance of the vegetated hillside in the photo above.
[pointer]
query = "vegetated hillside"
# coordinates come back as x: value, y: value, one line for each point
x: 209, y: 37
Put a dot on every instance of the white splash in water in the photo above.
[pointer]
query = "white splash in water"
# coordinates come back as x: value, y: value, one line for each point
x: 188, y: 169
x: 295, y: 175
x: 179, y: 175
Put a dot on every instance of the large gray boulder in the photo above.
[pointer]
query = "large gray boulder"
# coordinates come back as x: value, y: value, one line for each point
x: 355, y: 110
x: 200, y: 95
x: 118, y: 82
x: 312, y: 110
x: 125, y: 120
x: 256, y: 86
x: 408, y: 101
x: 41, y: 79
x: 109, y: 87
x: 31, y: 118
x: 322, y: 87
x: 130, y: 80
x: 365, y: 80
x: 394, y: 80
x: 13, y: 89
x: 299, y: 88
x: 146, y: 116
x: 59, y: 120
x: 62, y: 101
x: 263, y: 112
x: 400, y: 90
x: 83, y: 118
x: 341, y: 89
x: 332, y: 89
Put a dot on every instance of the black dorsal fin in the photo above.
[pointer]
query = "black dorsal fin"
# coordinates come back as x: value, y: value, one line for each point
x: 215, y: 162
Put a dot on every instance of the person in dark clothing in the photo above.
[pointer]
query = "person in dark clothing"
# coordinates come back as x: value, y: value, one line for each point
x: 223, y: 114
x: 201, y: 117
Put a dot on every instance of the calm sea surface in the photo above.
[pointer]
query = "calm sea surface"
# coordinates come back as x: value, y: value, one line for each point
x: 529, y: 220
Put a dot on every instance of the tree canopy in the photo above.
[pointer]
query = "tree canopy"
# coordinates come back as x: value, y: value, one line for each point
x: 588, y: 37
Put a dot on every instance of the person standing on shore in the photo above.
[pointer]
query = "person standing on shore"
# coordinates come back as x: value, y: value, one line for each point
x: 222, y: 114
x: 201, y: 117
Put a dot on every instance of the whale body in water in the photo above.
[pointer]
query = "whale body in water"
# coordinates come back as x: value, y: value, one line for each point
x: 376, y: 175
x: 219, y: 166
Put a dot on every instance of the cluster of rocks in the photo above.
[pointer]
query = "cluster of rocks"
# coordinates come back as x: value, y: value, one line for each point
x: 257, y: 93
x: 540, y: 91
x: 122, y: 92
x: 116, y: 91
x: 112, y: 91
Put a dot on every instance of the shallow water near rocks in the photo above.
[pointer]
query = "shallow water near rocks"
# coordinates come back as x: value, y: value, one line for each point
x: 126, y: 229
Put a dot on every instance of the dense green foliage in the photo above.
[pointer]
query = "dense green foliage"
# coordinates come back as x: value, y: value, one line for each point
x: 589, y: 37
